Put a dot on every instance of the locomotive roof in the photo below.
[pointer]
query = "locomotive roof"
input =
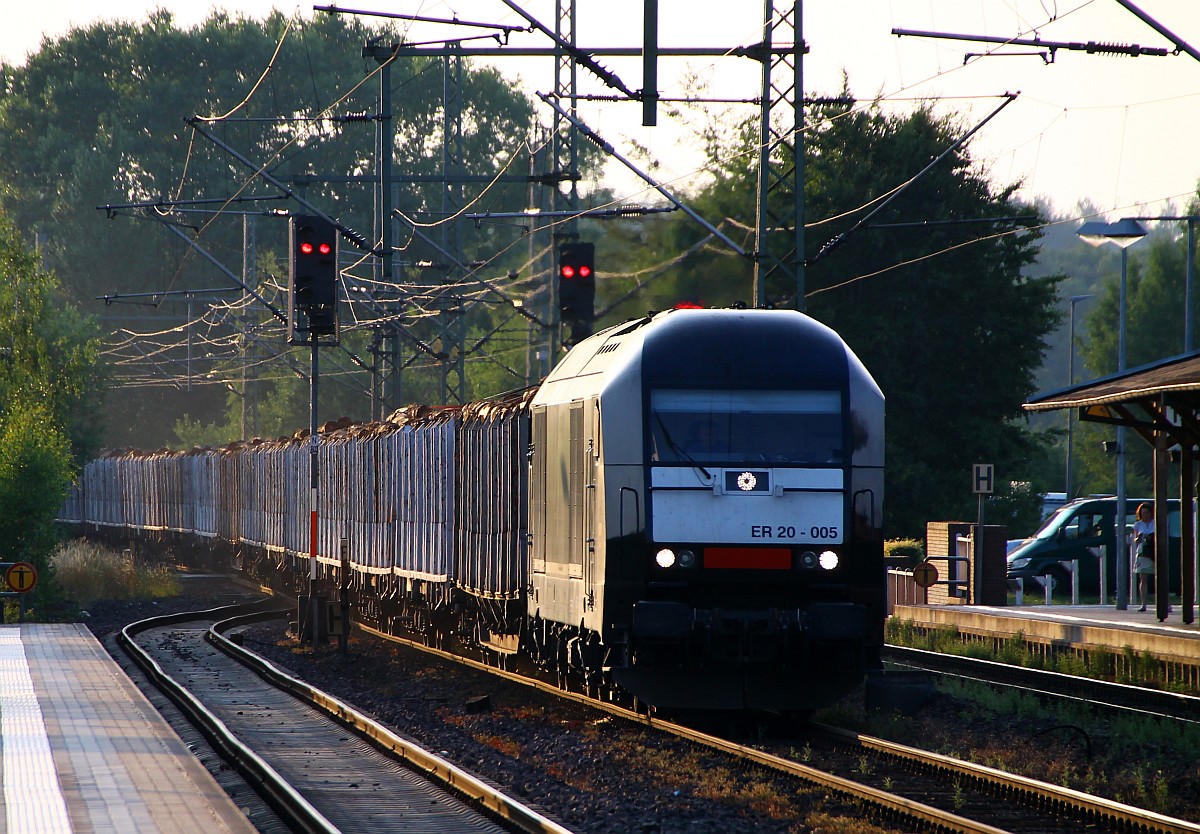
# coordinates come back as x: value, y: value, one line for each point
x: 760, y: 348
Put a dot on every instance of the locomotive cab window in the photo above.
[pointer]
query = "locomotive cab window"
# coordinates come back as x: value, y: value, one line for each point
x: 703, y: 426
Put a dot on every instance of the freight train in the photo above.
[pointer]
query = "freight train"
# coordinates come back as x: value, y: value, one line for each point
x: 687, y: 510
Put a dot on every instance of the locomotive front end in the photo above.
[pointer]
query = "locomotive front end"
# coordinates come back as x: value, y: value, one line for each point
x: 757, y: 580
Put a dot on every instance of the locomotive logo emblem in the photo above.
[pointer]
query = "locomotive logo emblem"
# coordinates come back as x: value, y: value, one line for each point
x: 743, y: 481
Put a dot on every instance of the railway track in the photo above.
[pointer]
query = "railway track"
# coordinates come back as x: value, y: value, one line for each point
x: 297, y: 751
x: 895, y: 785
x: 1115, y: 696
x: 909, y: 787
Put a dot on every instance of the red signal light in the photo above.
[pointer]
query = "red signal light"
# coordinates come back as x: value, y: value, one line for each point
x: 584, y: 271
x: 306, y: 248
x: 324, y: 248
x: 568, y: 271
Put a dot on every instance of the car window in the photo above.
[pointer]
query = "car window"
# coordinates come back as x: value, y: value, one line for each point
x: 1084, y: 526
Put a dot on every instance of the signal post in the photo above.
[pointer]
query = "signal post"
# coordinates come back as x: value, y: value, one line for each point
x: 312, y: 315
x: 577, y: 289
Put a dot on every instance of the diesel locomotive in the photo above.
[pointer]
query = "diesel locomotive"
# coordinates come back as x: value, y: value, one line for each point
x: 688, y: 509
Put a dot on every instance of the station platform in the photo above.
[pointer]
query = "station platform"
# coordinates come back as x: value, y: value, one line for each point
x: 83, y: 750
x: 1081, y: 626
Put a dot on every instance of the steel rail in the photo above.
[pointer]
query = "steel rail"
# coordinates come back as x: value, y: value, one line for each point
x: 1159, y: 703
x: 273, y: 788
x: 433, y: 766
x: 1083, y: 804
x: 1135, y: 819
x: 910, y: 809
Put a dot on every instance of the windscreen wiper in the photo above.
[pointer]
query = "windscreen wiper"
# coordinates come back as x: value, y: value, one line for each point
x: 677, y: 449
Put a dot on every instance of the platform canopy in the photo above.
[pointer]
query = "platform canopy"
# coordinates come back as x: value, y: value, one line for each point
x: 1138, y: 398
x: 1161, y: 402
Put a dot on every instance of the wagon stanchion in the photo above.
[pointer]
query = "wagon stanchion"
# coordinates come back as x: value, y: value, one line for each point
x: 344, y: 599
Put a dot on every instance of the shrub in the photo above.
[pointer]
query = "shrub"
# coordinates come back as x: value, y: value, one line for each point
x: 903, y: 552
x: 87, y: 572
x: 35, y: 469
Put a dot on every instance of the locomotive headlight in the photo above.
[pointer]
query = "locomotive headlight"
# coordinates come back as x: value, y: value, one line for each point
x: 808, y: 560
x: 665, y: 558
x: 687, y: 559
x: 828, y: 559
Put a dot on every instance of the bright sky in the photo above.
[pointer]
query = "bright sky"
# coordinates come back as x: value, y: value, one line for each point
x: 1119, y: 131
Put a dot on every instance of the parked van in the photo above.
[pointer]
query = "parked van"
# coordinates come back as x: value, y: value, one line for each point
x: 1077, y: 531
x: 1051, y: 501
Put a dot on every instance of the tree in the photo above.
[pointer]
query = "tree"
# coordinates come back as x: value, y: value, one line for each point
x: 49, y: 389
x: 48, y: 351
x: 35, y: 470
x: 941, y: 314
x: 1154, y: 325
x: 97, y: 117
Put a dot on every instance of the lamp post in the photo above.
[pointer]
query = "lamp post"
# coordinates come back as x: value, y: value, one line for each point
x: 1124, y: 233
x: 1075, y: 299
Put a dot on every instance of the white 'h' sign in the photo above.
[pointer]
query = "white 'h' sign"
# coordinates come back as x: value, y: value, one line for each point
x: 983, y: 479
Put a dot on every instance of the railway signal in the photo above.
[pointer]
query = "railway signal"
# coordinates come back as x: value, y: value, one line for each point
x: 313, y: 281
x: 577, y: 287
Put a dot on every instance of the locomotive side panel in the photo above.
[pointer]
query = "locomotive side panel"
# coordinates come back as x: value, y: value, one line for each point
x: 560, y: 467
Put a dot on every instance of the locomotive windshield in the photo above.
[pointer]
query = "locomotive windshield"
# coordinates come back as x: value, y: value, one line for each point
x: 720, y: 426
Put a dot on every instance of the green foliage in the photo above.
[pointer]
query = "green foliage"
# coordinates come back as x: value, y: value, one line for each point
x: 48, y: 352
x: 1017, y: 506
x: 48, y: 391
x: 1142, y: 669
x: 35, y: 470
x: 903, y: 551
x: 943, y: 316
x: 1155, y: 288
x: 96, y: 117
x: 927, y: 327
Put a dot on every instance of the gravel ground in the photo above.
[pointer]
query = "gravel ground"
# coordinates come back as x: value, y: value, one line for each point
x: 600, y: 776
x: 588, y: 771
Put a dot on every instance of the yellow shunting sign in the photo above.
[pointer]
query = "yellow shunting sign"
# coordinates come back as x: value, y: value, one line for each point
x: 925, y: 574
x: 21, y: 577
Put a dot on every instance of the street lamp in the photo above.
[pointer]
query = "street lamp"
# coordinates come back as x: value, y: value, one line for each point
x: 1124, y: 233
x: 1075, y: 299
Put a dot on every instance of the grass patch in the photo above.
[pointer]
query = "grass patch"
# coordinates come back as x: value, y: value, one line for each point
x: 88, y: 572
x: 1127, y: 666
x: 1141, y: 759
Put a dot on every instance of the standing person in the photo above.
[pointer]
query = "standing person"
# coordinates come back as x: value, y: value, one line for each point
x: 1143, y: 544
